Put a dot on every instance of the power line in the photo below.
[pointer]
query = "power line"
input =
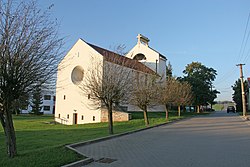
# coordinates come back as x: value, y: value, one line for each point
x: 241, y: 53
x: 247, y: 56
x: 226, y: 76
x: 240, y: 56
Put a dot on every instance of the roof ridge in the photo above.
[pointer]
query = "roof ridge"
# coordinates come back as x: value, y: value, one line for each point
x: 123, y: 60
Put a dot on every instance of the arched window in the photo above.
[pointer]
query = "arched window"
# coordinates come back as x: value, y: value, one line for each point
x: 139, y: 56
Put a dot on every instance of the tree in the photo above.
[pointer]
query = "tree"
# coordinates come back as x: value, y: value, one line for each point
x: 237, y: 97
x: 29, y: 54
x: 212, y: 97
x: 169, y: 71
x: 200, y: 78
x: 168, y: 94
x: 20, y: 104
x: 108, y: 83
x: 184, y: 95
x: 144, y: 93
x: 37, y: 100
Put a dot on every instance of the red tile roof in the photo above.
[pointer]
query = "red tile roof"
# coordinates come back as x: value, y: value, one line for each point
x: 122, y: 60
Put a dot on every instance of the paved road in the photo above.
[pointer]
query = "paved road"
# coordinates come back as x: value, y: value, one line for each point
x: 217, y: 140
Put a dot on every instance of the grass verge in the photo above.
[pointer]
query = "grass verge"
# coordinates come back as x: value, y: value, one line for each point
x: 42, y: 144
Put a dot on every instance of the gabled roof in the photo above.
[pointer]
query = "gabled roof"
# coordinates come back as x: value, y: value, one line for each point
x: 159, y: 53
x: 122, y: 60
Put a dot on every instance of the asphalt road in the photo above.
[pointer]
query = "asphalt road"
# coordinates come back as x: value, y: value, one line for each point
x: 217, y: 140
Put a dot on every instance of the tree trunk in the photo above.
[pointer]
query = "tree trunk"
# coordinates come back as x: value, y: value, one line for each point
x: 184, y: 109
x: 166, y: 109
x: 110, y: 119
x: 145, y: 113
x: 9, y: 131
x: 198, y: 109
x: 179, y: 110
x: 2, y: 121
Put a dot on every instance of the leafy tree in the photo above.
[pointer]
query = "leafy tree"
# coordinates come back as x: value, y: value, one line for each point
x: 237, y: 96
x: 212, y: 97
x: 200, y: 78
x: 169, y: 70
x: 37, y: 100
x: 29, y: 47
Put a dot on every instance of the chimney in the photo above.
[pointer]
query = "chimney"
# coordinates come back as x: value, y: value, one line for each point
x: 142, y: 39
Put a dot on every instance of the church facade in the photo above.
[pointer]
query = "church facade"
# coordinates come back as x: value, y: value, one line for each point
x: 72, y: 106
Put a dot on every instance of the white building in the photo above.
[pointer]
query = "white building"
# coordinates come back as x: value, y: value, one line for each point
x: 47, y: 106
x: 72, y: 107
x: 148, y: 56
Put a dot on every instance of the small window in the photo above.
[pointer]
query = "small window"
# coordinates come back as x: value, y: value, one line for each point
x: 54, y: 98
x: 64, y: 97
x: 47, y: 97
x: 88, y: 96
x: 46, y: 108
x: 68, y: 116
x: 93, y: 118
x: 82, y: 117
x: 59, y: 115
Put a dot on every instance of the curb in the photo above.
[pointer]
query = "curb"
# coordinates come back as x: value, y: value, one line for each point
x: 121, y: 134
x: 80, y: 163
x: 90, y: 160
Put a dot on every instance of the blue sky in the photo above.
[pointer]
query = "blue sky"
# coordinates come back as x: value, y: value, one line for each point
x: 207, y: 31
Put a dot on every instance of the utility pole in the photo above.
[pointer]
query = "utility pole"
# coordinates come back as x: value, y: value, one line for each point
x: 242, y: 91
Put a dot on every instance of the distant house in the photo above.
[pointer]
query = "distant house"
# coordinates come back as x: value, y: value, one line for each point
x: 47, y: 106
x: 72, y: 107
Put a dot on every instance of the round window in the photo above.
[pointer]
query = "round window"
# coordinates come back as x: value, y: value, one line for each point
x: 77, y: 75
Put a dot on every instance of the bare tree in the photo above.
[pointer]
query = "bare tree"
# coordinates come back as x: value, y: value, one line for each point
x: 107, y: 82
x: 168, y: 93
x: 144, y: 93
x: 183, y: 95
x: 29, y: 54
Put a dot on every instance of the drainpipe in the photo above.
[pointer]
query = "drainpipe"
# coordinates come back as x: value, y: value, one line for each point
x: 156, y: 65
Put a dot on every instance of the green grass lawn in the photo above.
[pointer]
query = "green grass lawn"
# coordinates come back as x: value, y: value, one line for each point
x: 42, y: 144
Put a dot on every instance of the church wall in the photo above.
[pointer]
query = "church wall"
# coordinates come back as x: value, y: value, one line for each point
x: 157, y: 108
x: 162, y: 68
x: 71, y: 103
x: 152, y: 57
x: 118, y: 116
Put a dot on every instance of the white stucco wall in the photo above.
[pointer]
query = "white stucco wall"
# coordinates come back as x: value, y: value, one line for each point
x: 162, y: 68
x: 69, y: 97
x: 152, y: 57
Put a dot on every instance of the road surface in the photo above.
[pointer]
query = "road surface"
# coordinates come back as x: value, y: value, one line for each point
x: 217, y: 140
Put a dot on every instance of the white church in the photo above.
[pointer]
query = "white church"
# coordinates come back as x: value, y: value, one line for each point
x: 72, y: 107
